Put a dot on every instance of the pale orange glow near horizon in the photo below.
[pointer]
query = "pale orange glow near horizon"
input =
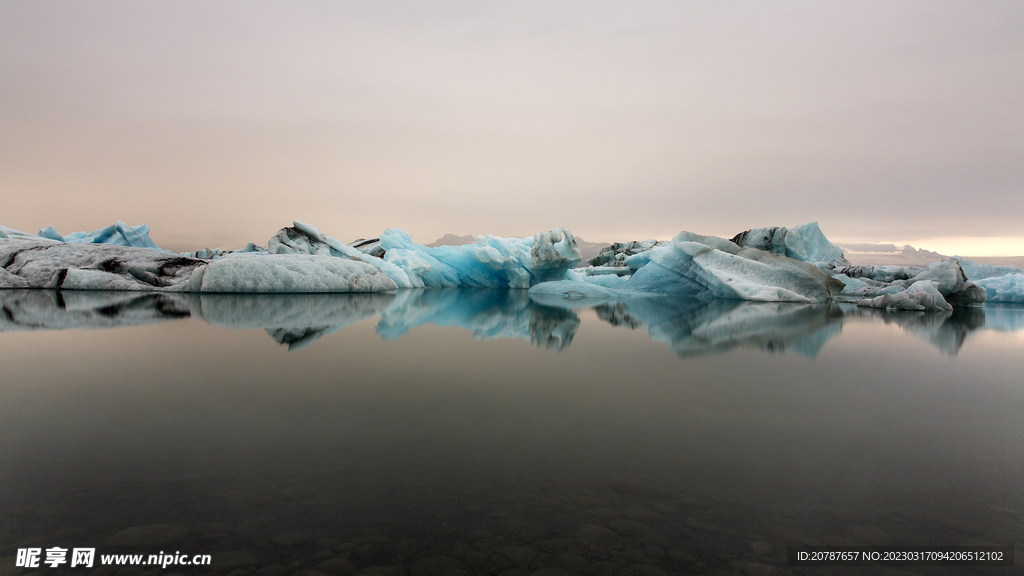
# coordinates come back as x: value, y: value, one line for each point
x: 983, y: 246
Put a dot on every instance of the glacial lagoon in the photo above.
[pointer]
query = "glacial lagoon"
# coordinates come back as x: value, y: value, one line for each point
x: 497, y: 434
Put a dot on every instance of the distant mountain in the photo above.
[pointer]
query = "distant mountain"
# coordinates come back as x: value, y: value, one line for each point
x: 452, y: 240
x: 589, y: 249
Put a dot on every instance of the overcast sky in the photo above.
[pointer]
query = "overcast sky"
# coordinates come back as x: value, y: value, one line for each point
x: 218, y: 123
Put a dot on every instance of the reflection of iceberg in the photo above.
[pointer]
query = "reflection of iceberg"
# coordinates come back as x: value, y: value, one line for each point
x: 689, y: 327
x: 947, y: 330
x: 692, y: 327
x: 488, y: 313
x: 53, y: 310
x: 1004, y: 318
x: 297, y: 320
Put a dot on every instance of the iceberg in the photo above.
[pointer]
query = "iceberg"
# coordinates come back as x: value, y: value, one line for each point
x: 290, y: 273
x: 1006, y: 289
x: 773, y: 264
x: 119, y: 234
x: 806, y: 243
x: 707, y: 267
x: 43, y: 263
x: 940, y: 286
x: 493, y: 262
x: 976, y: 271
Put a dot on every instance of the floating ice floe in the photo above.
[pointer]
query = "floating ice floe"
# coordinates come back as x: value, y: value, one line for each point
x: 1006, y: 289
x: 41, y: 263
x: 771, y: 264
x: 976, y: 271
x: 290, y: 273
x: 493, y: 262
x: 940, y: 286
x: 707, y: 267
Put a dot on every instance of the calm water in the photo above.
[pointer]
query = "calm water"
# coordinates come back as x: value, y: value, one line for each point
x: 634, y: 438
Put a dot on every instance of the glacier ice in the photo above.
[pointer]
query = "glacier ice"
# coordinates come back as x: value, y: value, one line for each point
x: 976, y: 271
x: 709, y: 267
x: 806, y: 243
x: 919, y: 296
x: 772, y: 264
x: 493, y: 262
x: 909, y: 287
x: 1007, y: 288
x: 290, y: 273
x: 615, y: 256
x: 42, y: 263
x: 119, y: 234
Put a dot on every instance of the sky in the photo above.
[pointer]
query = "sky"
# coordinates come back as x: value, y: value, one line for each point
x: 218, y: 123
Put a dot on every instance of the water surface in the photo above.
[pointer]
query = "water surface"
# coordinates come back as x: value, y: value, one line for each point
x: 633, y: 437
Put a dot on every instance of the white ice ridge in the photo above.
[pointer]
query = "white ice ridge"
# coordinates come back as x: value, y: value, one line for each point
x: 493, y: 262
x: 707, y: 267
